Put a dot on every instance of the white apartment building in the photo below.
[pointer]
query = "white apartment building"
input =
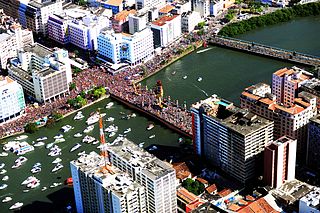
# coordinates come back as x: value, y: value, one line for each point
x: 100, y: 189
x: 137, y: 22
x: 140, y: 4
x: 182, y: 6
x: 202, y: 7
x: 125, y: 48
x: 229, y: 137
x: 216, y: 6
x: 310, y: 202
x: 12, y: 102
x: 58, y: 28
x: 158, y: 177
x: 43, y: 74
x: 286, y: 82
x: 10, y: 41
x: 165, y: 30
x: 189, y: 20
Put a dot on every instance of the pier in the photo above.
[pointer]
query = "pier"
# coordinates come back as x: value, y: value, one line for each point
x: 265, y: 50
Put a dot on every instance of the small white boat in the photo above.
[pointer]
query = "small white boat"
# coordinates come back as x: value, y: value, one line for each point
x: 49, y: 145
x: 109, y: 105
x: 2, y: 165
x: 127, y: 131
x: 29, y: 180
x: 150, y: 126
x: 26, y: 190
x: 112, y: 134
x: 42, y: 139
x: 17, y: 205
x: 16, y: 165
x: 199, y: 79
x: 173, y: 73
x: 88, y: 139
x: 110, y: 119
x: 40, y: 143
x: 35, y: 170
x: 180, y: 140
x: 111, y: 128
x: 53, y: 185
x: 3, y: 154
x: 3, y: 186
x: 57, y: 167
x: 21, y: 137
x: 141, y: 145
x: 66, y: 128
x: 78, y: 116
x: 6, y: 199
x: 153, y: 148
x: 21, y: 159
x: 75, y: 147
x: 60, y: 140
x: 152, y: 136
x: 34, y: 184
x: 58, y: 136
x: 94, y: 118
x: 95, y: 142
x: 81, y: 153
x: 36, y: 165
x: 133, y: 115
x: 5, y: 178
x: 77, y: 135
x: 88, y: 129
x: 54, y: 153
x: 57, y: 160
x: 3, y: 171
x: 44, y: 188
x: 185, y: 77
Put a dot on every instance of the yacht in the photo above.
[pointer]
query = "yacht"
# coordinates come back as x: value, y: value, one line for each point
x: 21, y: 137
x: 141, y: 145
x: 36, y: 165
x: 111, y: 128
x: 3, y: 186
x: 88, y: 139
x: 54, y: 153
x: 75, y: 147
x: 94, y: 118
x: 133, y: 115
x: 29, y: 180
x: 36, y: 170
x: 58, y: 136
x: 112, y: 134
x: 3, y: 154
x: 42, y: 139
x: 152, y: 136
x: 26, y: 190
x: 23, y: 148
x: 77, y: 135
x: 78, y: 116
x: 150, y: 126
x: 49, y: 145
x: 5, y: 178
x: 110, y: 119
x: 53, y: 185
x: 95, y: 142
x: 17, y: 205
x: 81, y: 153
x: 44, y: 188
x: 40, y: 143
x: 153, y: 148
x: 2, y: 165
x: 88, y: 129
x: 66, y: 128
x: 34, y: 184
x: 21, y: 159
x: 16, y: 165
x: 57, y: 167
x: 59, y: 140
x: 127, y: 131
x: 6, y: 199
x: 3, y: 171
x: 57, y: 160
x: 109, y: 105
x: 199, y: 79
x: 185, y: 77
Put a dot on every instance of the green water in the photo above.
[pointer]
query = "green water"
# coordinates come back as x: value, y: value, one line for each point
x: 224, y: 72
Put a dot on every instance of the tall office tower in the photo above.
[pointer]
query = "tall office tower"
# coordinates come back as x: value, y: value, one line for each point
x: 156, y: 176
x: 285, y: 84
x: 97, y: 189
x: 12, y: 102
x: 280, y: 161
x: 313, y: 149
x: 229, y: 137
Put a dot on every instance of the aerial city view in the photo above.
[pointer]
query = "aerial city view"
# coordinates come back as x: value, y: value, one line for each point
x: 160, y: 106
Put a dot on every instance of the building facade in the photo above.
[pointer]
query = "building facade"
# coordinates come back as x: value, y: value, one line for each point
x: 313, y: 149
x: 43, y: 74
x: 189, y: 20
x: 229, y: 137
x: 140, y: 4
x: 202, y: 7
x: 156, y: 176
x: 280, y: 161
x: 101, y: 189
x: 137, y: 22
x: 310, y: 202
x: 58, y: 28
x: 216, y: 7
x: 120, y: 22
x: 12, y: 102
x: 115, y: 5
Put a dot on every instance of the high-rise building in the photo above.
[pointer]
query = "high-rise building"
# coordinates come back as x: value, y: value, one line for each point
x: 120, y: 22
x: 202, y: 7
x: 280, y: 161
x: 313, y: 147
x: 12, y: 102
x: 312, y: 86
x: 10, y: 7
x: 101, y: 189
x: 229, y: 137
x: 286, y: 82
x: 158, y: 178
x: 189, y: 20
x: 137, y: 22
x: 43, y: 74
x: 140, y: 4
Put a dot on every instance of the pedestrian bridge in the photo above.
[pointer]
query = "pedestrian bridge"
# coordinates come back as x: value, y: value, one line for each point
x: 261, y: 49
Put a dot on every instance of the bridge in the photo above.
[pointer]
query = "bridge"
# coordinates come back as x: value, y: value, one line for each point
x: 265, y: 50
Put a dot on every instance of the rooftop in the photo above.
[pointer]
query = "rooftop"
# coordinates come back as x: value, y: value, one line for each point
x: 182, y: 170
x: 231, y: 116
x: 316, y: 119
x: 123, y: 15
x: 4, y: 80
x: 295, y: 74
x: 312, y: 199
x: 138, y: 157
x: 114, y: 2
x: 38, y: 49
x: 166, y: 9
x: 313, y: 85
x: 163, y: 20
x: 187, y: 196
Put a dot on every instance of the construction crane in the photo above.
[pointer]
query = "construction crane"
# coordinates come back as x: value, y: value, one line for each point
x: 159, y: 93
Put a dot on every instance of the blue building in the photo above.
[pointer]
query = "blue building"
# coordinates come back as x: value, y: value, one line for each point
x: 115, y: 5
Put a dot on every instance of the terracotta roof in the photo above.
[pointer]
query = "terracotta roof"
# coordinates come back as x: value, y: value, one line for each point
x: 251, y: 96
x: 182, y: 170
x: 267, y: 101
x: 291, y: 110
x: 211, y: 188
x: 194, y: 204
x: 224, y: 192
x: 114, y: 2
x: 284, y: 71
x: 301, y: 102
x: 166, y: 9
x: 123, y: 15
x: 258, y: 206
x: 250, y: 198
x: 201, y: 180
x: 185, y: 195
x: 234, y: 207
x: 162, y: 21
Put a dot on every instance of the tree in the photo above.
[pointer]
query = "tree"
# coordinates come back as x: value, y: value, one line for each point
x: 76, y: 70
x: 72, y: 86
x: 76, y: 53
x: 31, y: 128
x: 193, y: 186
x: 56, y: 116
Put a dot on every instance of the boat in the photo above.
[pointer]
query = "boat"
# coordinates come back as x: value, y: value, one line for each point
x: 5, y: 178
x: 185, y: 77
x: 3, y: 186
x: 173, y: 73
x: 69, y: 181
x: 44, y: 188
x: 26, y: 190
x: 152, y: 136
x: 35, y: 170
x: 23, y: 148
x: 42, y: 139
x: 180, y: 140
x: 6, y: 199
x: 133, y: 115
x: 127, y: 131
x: 94, y: 118
x: 29, y: 180
x: 112, y: 134
x: 78, y: 116
x: 3, y: 171
x: 66, y: 128
x: 88, y: 139
x: 58, y: 136
x: 2, y: 165
x: 199, y: 79
x: 21, y: 159
x: 34, y: 184
x: 81, y: 153
x: 17, y: 205
x: 88, y: 129
x: 201, y: 51
x: 141, y: 145
x: 110, y: 119
x: 36, y: 165
x: 111, y: 128
x: 3, y: 154
x: 54, y: 153
x: 57, y: 167
x: 57, y: 160
x: 40, y: 143
x: 153, y: 148
x: 49, y: 145
x: 53, y: 185
x: 75, y: 147
x: 109, y: 105
x: 60, y: 140
x: 77, y: 135
x: 150, y: 126
x: 95, y: 142
x: 21, y: 137
x: 16, y: 165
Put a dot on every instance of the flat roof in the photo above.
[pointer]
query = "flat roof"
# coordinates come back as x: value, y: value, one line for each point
x: 38, y: 49
x: 4, y: 80
x: 121, y: 16
x: 163, y: 20
x: 166, y: 9
x: 114, y: 2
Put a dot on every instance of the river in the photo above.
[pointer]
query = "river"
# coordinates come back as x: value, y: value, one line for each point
x: 224, y: 72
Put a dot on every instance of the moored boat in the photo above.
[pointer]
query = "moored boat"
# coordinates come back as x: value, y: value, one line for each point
x: 66, y: 128
x: 77, y: 135
x: 42, y: 139
x: 17, y: 205
x: 5, y: 178
x: 94, y: 118
x: 150, y: 126
x: 2, y: 165
x: 3, y: 171
x: 127, y: 131
x: 75, y: 147
x: 3, y: 154
x: 152, y: 136
x: 40, y: 143
x: 88, y: 129
x: 88, y: 139
x: 3, y: 186
x: 21, y: 137
x: 109, y: 105
x: 57, y: 160
x: 57, y: 167
x: 78, y: 116
x: 6, y: 199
